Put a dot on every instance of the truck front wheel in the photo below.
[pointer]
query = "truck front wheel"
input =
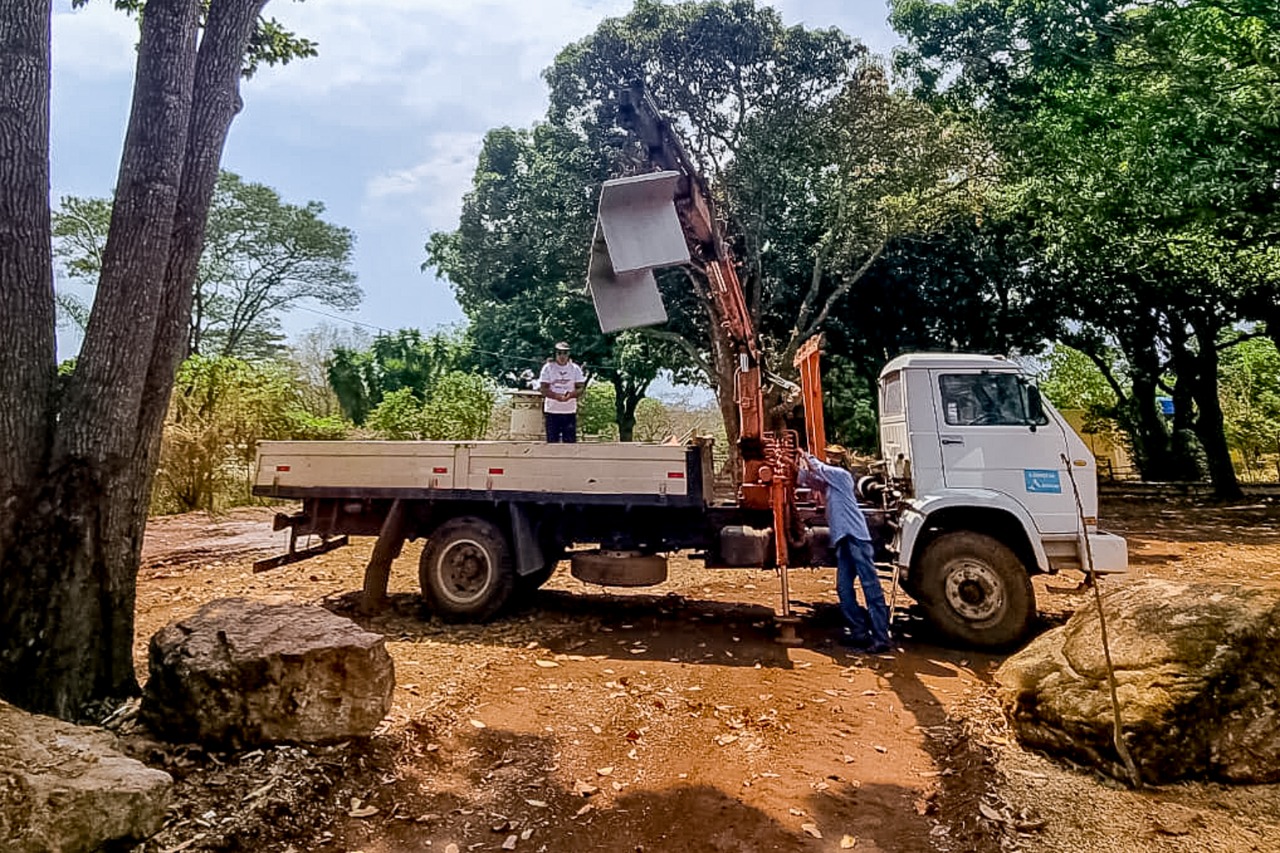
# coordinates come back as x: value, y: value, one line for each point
x: 975, y: 590
x: 466, y: 570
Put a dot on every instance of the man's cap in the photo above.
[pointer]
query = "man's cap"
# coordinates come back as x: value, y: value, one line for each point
x: 562, y: 347
x: 836, y: 450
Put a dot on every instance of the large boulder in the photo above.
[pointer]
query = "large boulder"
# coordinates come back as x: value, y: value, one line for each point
x: 65, y: 788
x: 242, y: 673
x: 1197, y: 668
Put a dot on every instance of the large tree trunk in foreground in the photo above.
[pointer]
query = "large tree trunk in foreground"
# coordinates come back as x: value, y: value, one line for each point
x: 68, y: 572
x: 27, y: 356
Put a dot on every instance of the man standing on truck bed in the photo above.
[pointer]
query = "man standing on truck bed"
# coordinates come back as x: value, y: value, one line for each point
x: 866, y: 629
x: 561, y: 384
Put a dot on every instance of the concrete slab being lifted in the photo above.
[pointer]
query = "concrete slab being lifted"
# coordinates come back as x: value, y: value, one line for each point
x: 637, y: 230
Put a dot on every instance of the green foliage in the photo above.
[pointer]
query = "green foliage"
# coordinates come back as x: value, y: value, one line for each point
x: 397, y: 417
x: 1251, y: 404
x: 597, y: 412
x: 221, y: 408
x: 404, y: 360
x: 262, y: 256
x: 654, y: 421
x: 458, y: 408
x: 1137, y: 140
x: 1072, y: 380
x: 850, y: 405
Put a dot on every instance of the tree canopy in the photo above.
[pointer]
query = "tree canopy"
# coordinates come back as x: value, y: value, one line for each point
x: 262, y: 256
x: 1138, y: 142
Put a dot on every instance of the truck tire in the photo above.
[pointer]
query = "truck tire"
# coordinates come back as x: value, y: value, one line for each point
x: 466, y: 570
x: 975, y: 590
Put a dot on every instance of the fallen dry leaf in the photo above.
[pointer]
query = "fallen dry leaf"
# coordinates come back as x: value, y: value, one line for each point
x: 510, y: 842
x: 848, y: 842
x: 605, y: 771
x: 812, y: 829
x: 546, y: 664
x: 478, y: 724
x: 537, y: 804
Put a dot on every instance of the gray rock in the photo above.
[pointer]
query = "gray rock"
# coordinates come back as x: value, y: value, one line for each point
x: 241, y: 673
x: 65, y: 788
x: 1198, y: 674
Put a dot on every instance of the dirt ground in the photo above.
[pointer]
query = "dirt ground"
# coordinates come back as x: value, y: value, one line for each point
x: 668, y: 719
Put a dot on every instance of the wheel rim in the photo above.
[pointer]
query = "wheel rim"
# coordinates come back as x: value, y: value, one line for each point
x: 973, y: 590
x: 464, y: 571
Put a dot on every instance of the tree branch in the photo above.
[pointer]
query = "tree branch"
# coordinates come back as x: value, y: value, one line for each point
x: 687, y: 346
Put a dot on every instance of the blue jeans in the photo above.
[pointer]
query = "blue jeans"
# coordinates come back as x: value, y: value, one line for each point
x: 562, y: 428
x: 855, y: 558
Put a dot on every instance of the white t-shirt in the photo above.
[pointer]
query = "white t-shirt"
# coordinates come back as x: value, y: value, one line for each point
x: 562, y: 378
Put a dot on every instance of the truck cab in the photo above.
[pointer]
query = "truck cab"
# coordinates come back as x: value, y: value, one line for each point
x: 993, y: 487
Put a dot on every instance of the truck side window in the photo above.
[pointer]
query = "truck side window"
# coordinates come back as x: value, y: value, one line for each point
x: 986, y: 399
x: 891, y: 395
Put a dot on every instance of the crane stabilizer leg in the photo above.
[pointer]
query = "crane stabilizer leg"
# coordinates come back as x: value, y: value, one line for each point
x: 637, y: 230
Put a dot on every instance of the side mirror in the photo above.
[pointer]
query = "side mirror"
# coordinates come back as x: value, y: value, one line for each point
x: 1035, y: 407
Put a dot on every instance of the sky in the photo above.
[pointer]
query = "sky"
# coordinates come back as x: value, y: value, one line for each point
x: 383, y: 127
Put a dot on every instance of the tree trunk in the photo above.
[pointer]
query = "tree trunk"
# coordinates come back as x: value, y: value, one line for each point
x: 1210, y: 425
x: 1184, y: 457
x: 1149, y: 434
x: 627, y: 395
x: 28, y: 354
x: 71, y: 582
x: 76, y: 557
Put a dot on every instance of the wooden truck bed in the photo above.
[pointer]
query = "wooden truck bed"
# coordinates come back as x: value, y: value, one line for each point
x: 591, y: 473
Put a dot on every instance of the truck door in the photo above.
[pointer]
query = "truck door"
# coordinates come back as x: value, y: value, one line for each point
x: 989, y: 441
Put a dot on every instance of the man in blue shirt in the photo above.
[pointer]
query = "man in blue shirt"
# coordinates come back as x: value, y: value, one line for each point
x: 855, y: 555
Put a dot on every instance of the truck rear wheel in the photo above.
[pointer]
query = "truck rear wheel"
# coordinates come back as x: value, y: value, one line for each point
x: 466, y: 570
x: 975, y: 590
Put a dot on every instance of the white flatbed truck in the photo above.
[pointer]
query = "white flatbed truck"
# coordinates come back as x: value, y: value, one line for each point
x: 982, y: 485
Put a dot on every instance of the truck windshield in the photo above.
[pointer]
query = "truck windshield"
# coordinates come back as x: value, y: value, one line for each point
x: 986, y: 399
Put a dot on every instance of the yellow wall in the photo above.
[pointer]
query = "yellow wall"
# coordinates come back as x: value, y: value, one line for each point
x: 1111, y: 456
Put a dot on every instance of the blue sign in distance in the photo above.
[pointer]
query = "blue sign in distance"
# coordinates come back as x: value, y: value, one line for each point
x: 1043, y: 480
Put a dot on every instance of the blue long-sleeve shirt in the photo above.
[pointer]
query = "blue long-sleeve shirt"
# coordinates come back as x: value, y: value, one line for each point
x: 844, y: 517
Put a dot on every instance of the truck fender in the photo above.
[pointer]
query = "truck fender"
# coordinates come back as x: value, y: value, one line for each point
x: 917, y: 512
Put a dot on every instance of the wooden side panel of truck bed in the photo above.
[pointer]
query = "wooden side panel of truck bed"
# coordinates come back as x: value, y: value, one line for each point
x: 352, y: 468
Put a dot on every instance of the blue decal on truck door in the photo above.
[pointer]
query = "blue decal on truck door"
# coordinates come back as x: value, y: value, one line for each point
x: 1043, y: 480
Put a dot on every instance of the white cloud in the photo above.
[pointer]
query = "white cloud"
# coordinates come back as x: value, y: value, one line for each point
x: 423, y: 54
x: 93, y: 41
x: 429, y: 192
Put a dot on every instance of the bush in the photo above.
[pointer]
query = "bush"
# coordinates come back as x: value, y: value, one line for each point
x: 459, y: 409
x: 221, y: 409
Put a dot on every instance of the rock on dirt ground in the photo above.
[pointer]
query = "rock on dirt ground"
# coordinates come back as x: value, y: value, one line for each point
x: 1195, y: 668
x: 243, y: 673
x: 667, y: 719
x: 68, y: 788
